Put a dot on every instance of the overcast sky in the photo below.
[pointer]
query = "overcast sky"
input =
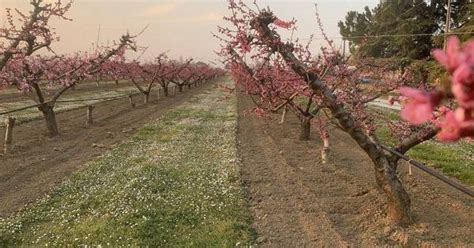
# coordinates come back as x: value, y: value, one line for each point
x: 181, y: 26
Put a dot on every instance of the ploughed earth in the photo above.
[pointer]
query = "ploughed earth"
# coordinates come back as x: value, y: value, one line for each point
x: 296, y: 201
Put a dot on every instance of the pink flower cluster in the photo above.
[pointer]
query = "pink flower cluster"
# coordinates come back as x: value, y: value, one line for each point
x: 283, y: 24
x: 419, y: 105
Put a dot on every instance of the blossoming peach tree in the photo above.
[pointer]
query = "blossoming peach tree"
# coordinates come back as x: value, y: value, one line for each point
x: 278, y: 72
x: 31, y: 73
x: 27, y: 33
x: 35, y: 74
x: 161, y: 70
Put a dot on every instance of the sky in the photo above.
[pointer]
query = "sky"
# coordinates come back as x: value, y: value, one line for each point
x: 182, y: 28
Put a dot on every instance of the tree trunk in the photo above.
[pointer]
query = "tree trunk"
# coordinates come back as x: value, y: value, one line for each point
x: 398, y: 201
x: 50, y: 118
x: 146, y: 97
x: 116, y: 82
x: 165, y: 91
x: 189, y: 86
x: 130, y: 99
x: 180, y: 88
x: 305, y: 128
x: 90, y: 119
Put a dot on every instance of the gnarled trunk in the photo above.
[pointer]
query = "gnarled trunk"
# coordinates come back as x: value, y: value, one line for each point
x: 180, y: 87
x: 116, y: 82
x: 165, y: 91
x: 398, y: 201
x: 189, y: 86
x: 305, y: 132
x: 49, y: 118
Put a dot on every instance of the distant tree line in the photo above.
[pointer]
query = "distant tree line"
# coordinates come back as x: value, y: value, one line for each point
x: 405, y: 28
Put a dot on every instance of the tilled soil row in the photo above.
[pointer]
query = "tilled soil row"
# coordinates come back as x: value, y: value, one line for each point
x: 298, y: 202
x: 39, y: 162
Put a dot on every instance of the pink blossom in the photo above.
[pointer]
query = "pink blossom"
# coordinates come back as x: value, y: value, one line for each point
x: 443, y: 109
x: 450, y: 128
x: 452, y: 58
x: 456, y: 125
x: 244, y: 43
x: 464, y: 94
x: 466, y: 119
x: 464, y: 74
x: 418, y: 106
x: 468, y: 51
x: 392, y: 100
x: 283, y: 24
x: 463, y: 85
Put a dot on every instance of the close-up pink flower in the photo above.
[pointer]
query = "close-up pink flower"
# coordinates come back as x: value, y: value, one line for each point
x: 451, y: 58
x: 466, y: 119
x: 418, y: 105
x: 464, y: 94
x: 283, y: 24
x: 450, y: 128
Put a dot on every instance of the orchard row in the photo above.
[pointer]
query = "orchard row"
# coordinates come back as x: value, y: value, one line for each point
x: 21, y: 65
x: 329, y: 89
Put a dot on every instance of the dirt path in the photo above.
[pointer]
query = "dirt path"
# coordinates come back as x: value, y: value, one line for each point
x: 297, y: 202
x: 39, y: 163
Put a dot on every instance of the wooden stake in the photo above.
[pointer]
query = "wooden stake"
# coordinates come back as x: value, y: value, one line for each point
x: 130, y: 98
x: 410, y: 172
x: 10, y: 123
x: 325, y: 151
x: 146, y: 98
x: 90, y: 120
x: 283, y: 116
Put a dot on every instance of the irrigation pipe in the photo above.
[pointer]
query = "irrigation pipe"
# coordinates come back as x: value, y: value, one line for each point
x: 18, y: 110
x: 66, y: 101
x: 432, y: 172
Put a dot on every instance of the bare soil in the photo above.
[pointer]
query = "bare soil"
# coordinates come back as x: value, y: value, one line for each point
x: 39, y: 162
x: 298, y: 202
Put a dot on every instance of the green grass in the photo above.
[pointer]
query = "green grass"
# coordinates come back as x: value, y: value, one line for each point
x: 174, y: 184
x: 453, y: 159
x: 456, y: 160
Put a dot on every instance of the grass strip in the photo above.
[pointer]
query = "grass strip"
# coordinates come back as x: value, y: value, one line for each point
x: 174, y: 184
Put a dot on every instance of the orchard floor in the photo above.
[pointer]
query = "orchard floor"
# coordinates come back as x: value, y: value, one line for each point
x: 38, y: 163
x: 294, y: 200
x: 298, y: 202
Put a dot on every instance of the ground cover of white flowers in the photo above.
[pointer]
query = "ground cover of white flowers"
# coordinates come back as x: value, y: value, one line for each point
x: 175, y: 183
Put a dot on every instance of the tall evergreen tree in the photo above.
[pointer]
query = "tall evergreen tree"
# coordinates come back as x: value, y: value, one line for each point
x: 392, y: 29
